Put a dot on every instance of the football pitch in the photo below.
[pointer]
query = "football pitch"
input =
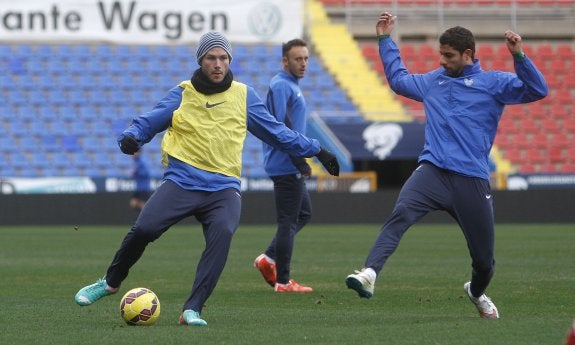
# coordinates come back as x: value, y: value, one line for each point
x: 419, y: 297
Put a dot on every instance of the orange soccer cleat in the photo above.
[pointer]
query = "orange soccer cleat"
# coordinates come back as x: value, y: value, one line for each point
x: 292, y: 286
x: 267, y: 268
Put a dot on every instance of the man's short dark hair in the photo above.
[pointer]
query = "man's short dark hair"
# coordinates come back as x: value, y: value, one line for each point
x: 459, y: 38
x: 296, y: 42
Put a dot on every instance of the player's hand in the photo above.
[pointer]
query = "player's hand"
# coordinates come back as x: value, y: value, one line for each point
x: 329, y: 161
x: 513, y: 42
x: 302, y: 166
x: 129, y: 145
x: 385, y: 23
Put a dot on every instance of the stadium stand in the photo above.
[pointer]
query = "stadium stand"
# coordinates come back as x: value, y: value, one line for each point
x: 64, y: 104
x: 69, y: 102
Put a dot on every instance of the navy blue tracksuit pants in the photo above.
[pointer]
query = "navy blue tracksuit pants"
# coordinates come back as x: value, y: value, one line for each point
x: 467, y: 199
x: 293, y: 212
x: 219, y: 214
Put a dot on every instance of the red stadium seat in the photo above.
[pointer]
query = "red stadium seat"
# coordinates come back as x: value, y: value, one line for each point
x: 522, y: 141
x: 563, y: 96
x: 537, y: 110
x: 515, y: 155
x: 427, y: 51
x: 539, y: 140
x: 527, y: 168
x: 569, y: 125
x: 545, y: 51
x: 536, y: 156
x: 567, y: 167
x: 556, y: 155
x: 508, y: 125
x: 485, y: 52
x: 408, y: 51
x: 528, y: 125
x: 550, y: 125
x: 565, y: 51
x: 515, y: 111
x: 370, y: 51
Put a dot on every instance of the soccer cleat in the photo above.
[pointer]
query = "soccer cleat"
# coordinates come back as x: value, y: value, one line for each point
x: 267, y: 268
x: 291, y: 286
x: 362, y: 282
x: 486, y: 308
x: 91, y: 293
x: 191, y: 318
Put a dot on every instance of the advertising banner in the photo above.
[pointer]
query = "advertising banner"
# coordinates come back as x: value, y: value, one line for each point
x: 150, y: 21
x: 381, y: 140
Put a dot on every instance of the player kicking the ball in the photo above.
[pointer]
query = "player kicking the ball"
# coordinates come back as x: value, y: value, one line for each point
x: 463, y: 105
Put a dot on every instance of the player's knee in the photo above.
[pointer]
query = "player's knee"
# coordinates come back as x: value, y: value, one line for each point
x: 404, y: 212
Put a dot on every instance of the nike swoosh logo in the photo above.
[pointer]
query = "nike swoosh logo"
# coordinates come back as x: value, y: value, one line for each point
x: 488, y: 196
x: 211, y: 105
x: 441, y: 82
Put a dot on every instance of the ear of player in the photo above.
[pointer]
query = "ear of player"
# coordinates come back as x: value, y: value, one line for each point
x: 329, y: 161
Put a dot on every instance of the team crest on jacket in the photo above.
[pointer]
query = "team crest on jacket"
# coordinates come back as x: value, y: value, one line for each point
x: 468, y: 82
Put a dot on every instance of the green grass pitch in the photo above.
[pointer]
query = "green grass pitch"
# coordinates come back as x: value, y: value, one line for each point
x: 418, y: 298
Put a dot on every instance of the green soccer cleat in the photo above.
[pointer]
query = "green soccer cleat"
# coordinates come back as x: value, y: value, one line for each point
x: 91, y: 293
x: 192, y: 318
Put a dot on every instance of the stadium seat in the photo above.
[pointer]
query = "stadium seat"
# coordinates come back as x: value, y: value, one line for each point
x: 544, y: 51
x: 565, y: 51
x: 564, y: 96
x: 528, y: 125
x: 535, y: 156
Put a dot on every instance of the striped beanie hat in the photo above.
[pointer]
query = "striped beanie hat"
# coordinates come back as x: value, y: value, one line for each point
x: 211, y: 40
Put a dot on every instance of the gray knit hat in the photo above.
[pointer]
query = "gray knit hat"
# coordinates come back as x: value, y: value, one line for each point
x: 211, y: 40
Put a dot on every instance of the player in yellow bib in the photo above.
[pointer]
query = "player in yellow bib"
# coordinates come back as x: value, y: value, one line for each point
x: 206, y: 120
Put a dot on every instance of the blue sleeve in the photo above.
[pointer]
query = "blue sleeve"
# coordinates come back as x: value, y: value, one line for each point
x: 277, y: 100
x: 264, y: 126
x: 399, y: 79
x: 527, y: 84
x: 146, y: 126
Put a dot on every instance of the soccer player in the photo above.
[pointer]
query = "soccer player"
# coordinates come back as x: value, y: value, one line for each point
x: 286, y: 103
x: 463, y: 105
x: 206, y: 119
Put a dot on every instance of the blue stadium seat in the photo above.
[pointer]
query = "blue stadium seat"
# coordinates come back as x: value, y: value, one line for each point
x: 104, y: 52
x: 5, y: 51
x: 57, y: 97
x: 55, y: 67
x: 6, y: 82
x: 16, y: 98
x: 49, y: 143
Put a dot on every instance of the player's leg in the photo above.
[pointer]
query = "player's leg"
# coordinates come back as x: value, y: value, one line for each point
x: 473, y: 209
x: 219, y: 216
x: 289, y: 191
x: 289, y: 197
x: 424, y: 191
x: 305, y: 211
x: 168, y: 205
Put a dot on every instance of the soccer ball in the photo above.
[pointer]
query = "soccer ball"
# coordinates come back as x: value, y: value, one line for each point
x: 140, y: 306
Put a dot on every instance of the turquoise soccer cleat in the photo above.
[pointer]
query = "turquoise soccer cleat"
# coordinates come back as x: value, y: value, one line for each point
x: 192, y: 318
x: 91, y: 293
